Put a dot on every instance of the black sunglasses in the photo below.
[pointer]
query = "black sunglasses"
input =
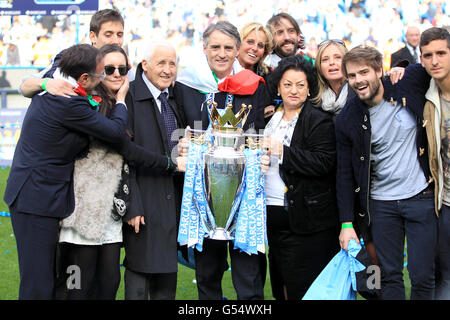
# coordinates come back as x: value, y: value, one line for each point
x: 109, y: 70
x: 339, y: 41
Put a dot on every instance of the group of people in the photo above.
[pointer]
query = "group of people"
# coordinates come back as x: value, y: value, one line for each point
x: 31, y: 40
x: 350, y: 155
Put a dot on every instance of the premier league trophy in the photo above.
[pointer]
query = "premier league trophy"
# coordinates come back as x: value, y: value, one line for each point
x: 224, y: 168
x: 223, y: 196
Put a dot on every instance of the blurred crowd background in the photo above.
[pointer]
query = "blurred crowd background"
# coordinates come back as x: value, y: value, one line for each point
x: 33, y: 40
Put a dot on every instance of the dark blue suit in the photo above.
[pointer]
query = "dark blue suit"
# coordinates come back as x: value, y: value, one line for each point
x: 39, y: 191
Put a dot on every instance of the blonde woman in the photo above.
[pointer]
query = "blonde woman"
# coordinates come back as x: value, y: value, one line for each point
x: 256, y: 44
x: 333, y: 87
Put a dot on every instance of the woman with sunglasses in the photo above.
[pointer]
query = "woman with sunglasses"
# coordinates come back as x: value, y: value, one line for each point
x: 91, y: 237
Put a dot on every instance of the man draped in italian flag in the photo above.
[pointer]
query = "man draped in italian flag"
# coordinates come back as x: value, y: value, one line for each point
x: 211, y: 77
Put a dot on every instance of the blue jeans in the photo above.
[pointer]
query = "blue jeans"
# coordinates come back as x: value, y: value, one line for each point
x: 443, y: 258
x: 391, y: 221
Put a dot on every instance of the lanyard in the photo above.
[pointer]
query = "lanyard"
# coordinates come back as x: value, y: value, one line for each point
x: 210, y: 99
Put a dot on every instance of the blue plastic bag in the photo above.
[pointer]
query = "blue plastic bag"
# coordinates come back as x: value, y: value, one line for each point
x: 337, y: 281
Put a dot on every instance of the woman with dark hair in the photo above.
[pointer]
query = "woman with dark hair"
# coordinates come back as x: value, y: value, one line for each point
x: 91, y: 237
x: 302, y: 217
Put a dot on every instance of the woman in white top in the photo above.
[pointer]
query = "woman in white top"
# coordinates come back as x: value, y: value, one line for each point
x: 302, y: 217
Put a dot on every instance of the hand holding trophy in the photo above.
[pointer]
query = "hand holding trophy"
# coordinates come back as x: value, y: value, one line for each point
x: 223, y: 197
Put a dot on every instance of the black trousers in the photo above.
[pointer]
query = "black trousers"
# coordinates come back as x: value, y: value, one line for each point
x: 99, y: 268
x: 156, y: 286
x: 295, y: 260
x: 36, y: 237
x: 246, y: 271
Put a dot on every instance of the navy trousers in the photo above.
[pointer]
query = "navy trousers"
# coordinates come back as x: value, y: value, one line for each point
x: 391, y: 221
x: 443, y: 257
x: 36, y: 238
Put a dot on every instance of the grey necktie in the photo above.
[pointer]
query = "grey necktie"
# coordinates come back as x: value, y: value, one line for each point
x: 415, y: 56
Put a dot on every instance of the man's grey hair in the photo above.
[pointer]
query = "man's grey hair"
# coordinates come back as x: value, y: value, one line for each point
x: 224, y: 27
x: 150, y: 50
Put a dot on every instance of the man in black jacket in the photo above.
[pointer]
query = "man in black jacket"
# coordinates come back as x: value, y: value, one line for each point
x: 410, y: 53
x: 150, y: 235
x: 221, y: 45
x: 383, y: 176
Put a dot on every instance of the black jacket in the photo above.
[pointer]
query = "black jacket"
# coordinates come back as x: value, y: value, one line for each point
x: 158, y: 197
x: 190, y: 102
x: 353, y: 136
x: 308, y: 170
x: 402, y: 58
x: 55, y: 131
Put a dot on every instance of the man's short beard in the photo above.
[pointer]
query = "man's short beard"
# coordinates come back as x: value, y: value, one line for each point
x: 282, y: 54
x: 369, y: 100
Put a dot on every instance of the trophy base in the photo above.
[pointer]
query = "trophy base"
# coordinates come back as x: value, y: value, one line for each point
x: 220, y: 234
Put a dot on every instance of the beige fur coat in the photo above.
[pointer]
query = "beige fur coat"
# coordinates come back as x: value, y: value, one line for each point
x: 96, y: 179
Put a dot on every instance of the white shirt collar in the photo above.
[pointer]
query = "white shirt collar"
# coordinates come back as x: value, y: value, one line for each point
x: 153, y: 90
x: 412, y: 49
x: 272, y: 60
x: 58, y: 75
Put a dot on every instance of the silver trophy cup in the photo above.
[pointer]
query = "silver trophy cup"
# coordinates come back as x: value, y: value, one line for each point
x: 224, y: 170
x: 224, y: 167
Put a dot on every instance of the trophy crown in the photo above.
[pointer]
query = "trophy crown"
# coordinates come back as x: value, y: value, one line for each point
x: 228, y: 121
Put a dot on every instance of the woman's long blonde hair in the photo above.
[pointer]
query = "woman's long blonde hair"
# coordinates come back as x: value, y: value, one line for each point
x: 323, y: 83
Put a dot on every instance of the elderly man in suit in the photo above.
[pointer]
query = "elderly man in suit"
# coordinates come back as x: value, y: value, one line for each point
x: 40, y: 191
x: 410, y: 53
x: 150, y: 236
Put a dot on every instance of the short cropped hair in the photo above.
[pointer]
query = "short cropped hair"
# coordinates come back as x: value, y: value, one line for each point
x: 150, y: 49
x: 79, y: 59
x: 102, y: 16
x: 224, y: 27
x: 363, y: 54
x: 432, y: 34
